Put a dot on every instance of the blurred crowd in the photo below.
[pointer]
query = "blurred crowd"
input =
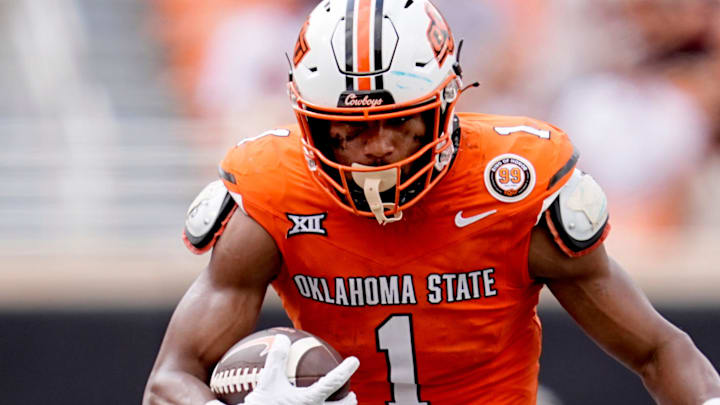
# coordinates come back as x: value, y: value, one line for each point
x: 636, y: 83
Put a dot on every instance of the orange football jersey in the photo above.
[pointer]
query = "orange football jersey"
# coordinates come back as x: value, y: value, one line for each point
x: 438, y: 307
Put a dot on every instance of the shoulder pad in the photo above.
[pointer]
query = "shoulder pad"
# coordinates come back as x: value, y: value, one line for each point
x: 578, y: 218
x: 207, y: 216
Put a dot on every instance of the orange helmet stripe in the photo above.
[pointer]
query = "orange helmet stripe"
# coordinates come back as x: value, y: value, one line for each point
x: 363, y: 42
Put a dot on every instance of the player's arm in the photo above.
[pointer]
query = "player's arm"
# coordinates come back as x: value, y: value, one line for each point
x: 219, y: 308
x: 600, y: 296
x: 603, y: 300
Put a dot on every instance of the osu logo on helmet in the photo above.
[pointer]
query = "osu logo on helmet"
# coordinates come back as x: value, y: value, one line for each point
x: 439, y: 35
x: 301, y: 47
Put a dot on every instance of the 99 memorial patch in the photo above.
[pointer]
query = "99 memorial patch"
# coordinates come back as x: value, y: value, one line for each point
x: 509, y: 177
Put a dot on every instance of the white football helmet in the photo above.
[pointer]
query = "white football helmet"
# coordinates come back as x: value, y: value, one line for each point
x: 358, y: 60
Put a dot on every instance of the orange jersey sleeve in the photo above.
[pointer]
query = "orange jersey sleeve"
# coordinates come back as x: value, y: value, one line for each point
x: 439, y: 306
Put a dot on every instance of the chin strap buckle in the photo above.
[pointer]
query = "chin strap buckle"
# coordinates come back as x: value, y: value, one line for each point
x: 374, y: 183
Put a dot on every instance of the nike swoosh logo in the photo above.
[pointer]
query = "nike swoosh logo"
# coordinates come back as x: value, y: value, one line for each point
x: 462, y: 222
x: 261, y: 341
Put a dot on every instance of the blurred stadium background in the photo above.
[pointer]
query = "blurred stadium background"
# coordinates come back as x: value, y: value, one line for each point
x: 115, y: 113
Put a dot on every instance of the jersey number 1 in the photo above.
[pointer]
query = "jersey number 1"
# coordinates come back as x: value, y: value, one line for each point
x: 394, y: 336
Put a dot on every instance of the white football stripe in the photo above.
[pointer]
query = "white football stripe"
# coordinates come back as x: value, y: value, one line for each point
x: 297, y: 351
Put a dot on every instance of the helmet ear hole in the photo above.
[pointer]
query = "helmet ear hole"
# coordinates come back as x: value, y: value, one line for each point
x: 451, y: 92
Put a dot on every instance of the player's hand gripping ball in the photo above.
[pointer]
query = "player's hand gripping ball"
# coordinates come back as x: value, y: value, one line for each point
x: 309, y: 359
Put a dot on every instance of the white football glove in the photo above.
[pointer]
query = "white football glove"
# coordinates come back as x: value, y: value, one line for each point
x: 274, y: 388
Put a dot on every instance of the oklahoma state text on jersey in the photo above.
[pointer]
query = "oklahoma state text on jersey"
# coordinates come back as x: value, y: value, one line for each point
x: 438, y: 307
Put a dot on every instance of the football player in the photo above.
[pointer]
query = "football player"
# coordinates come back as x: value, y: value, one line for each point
x: 409, y: 235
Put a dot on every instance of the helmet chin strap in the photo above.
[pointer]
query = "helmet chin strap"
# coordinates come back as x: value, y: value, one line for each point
x: 374, y: 183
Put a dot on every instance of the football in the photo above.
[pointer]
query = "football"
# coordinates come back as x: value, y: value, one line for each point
x: 237, y: 372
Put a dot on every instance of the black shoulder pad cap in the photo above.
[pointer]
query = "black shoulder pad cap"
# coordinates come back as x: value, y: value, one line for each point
x: 570, y: 245
x: 201, y: 241
x: 207, y: 216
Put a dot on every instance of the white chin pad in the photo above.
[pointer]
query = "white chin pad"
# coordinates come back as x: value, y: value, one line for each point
x: 373, y: 183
